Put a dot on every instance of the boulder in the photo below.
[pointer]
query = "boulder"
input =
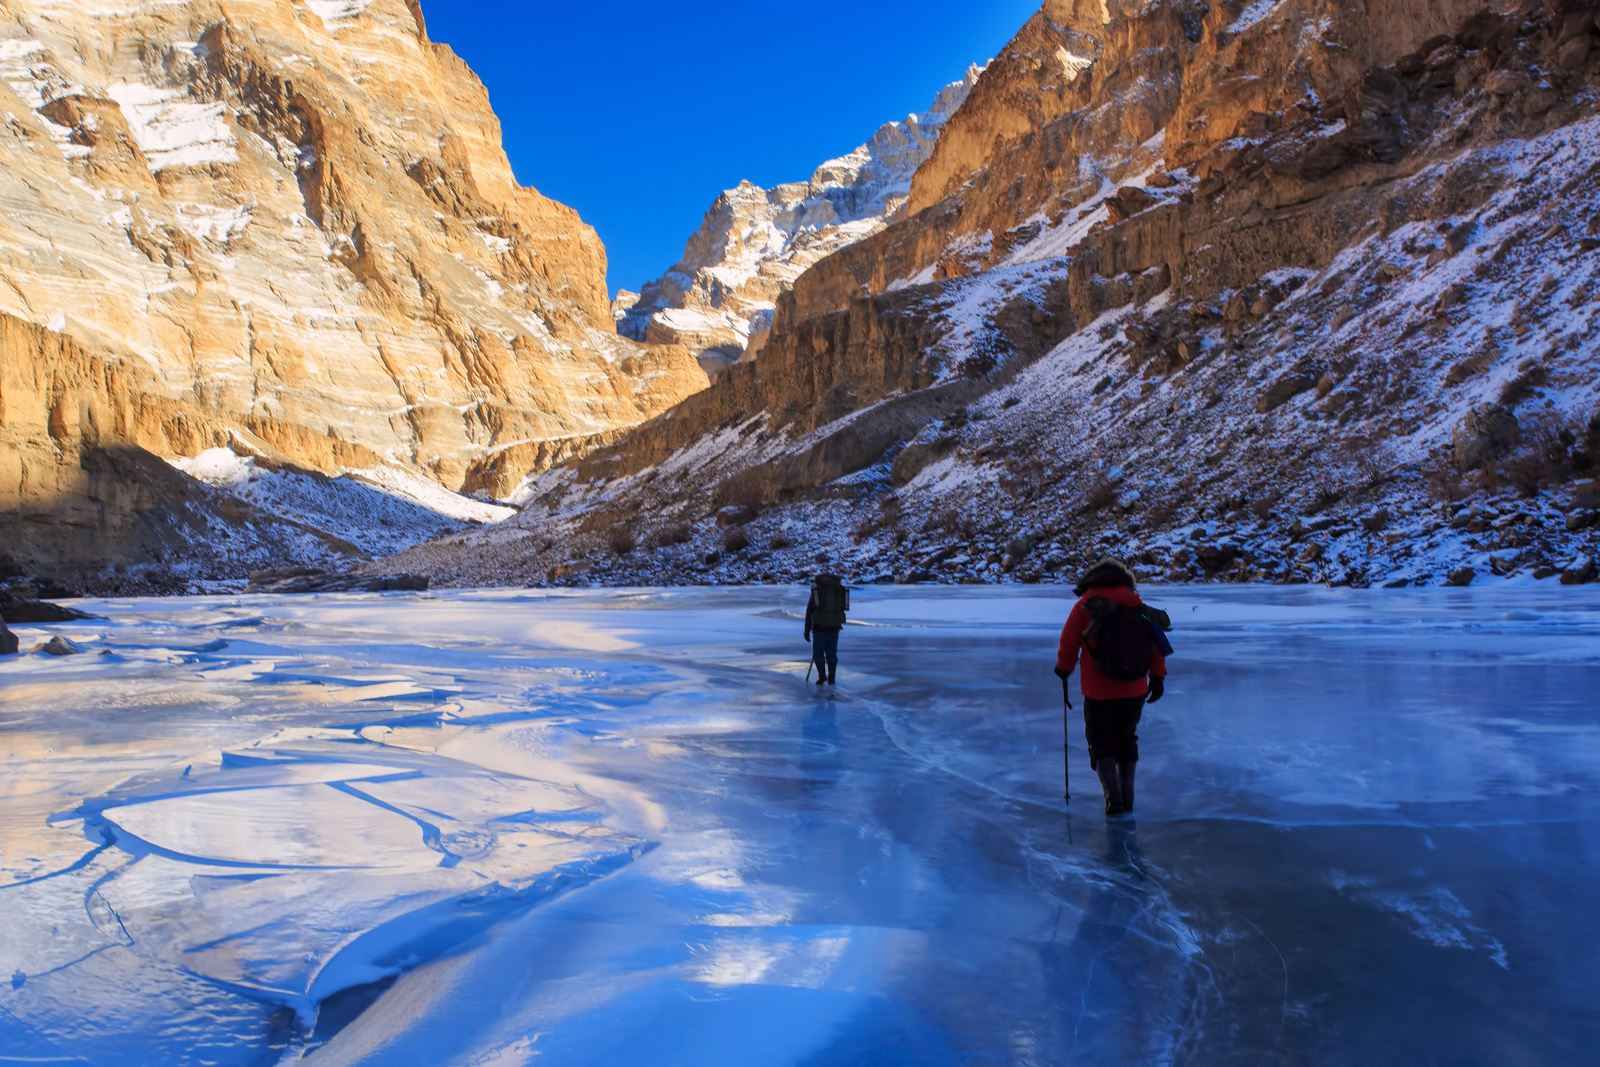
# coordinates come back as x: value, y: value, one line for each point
x: 1284, y: 390
x: 1583, y: 574
x: 1130, y: 201
x: 1575, y: 19
x: 1217, y: 558
x: 304, y: 580
x: 1574, y: 54
x: 49, y: 589
x: 1460, y: 579
x: 1486, y: 433
x: 16, y: 611
x: 1237, y: 309
x: 1446, y: 55
x: 60, y: 646
x: 916, y: 458
x: 1579, y: 521
x: 1508, y: 83
x: 736, y: 515
x: 1538, y: 102
x: 8, y: 641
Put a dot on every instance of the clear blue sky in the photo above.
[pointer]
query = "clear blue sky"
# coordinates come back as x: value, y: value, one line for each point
x: 639, y: 113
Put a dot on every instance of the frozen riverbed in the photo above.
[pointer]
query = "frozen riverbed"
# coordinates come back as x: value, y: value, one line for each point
x: 618, y: 828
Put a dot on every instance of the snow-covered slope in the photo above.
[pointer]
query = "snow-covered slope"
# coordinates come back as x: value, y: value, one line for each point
x: 1347, y: 335
x: 379, y: 510
x: 718, y: 300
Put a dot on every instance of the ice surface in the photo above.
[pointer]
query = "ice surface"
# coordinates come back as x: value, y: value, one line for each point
x: 619, y: 828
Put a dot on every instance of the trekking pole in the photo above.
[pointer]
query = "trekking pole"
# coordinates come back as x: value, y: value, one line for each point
x: 1066, y: 738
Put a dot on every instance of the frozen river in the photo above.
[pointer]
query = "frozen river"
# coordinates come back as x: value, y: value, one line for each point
x: 618, y: 828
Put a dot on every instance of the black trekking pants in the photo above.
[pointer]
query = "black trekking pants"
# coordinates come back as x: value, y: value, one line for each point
x: 1112, y: 729
x: 825, y: 652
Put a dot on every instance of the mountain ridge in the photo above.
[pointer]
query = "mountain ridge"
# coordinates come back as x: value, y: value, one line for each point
x: 754, y: 242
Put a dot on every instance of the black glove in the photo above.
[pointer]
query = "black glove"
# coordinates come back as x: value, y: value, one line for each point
x: 1066, y: 686
x: 808, y: 637
x: 1158, y: 688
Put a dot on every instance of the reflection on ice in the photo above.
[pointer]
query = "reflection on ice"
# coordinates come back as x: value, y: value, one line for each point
x: 616, y: 827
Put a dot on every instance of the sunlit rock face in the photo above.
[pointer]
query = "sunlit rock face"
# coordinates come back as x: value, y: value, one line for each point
x: 287, y: 223
x: 718, y: 300
x: 1297, y: 290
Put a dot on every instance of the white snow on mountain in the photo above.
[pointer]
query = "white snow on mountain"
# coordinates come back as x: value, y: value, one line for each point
x: 379, y: 510
x: 172, y: 131
x: 755, y: 242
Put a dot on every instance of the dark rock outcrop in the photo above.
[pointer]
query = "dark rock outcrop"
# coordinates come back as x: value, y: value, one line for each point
x: 18, y: 611
x: 303, y: 580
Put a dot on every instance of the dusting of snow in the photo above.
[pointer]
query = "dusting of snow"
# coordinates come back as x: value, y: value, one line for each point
x: 337, y: 13
x: 1256, y: 12
x: 210, y: 223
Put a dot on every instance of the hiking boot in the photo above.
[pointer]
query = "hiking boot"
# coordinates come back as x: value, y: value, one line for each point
x: 1111, y: 786
x: 821, y: 681
x: 833, y: 679
x: 1126, y: 770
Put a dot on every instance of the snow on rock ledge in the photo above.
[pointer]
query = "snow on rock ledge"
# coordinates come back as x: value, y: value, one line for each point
x: 172, y: 131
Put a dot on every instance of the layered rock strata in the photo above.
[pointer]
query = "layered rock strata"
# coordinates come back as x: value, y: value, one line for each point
x: 291, y: 220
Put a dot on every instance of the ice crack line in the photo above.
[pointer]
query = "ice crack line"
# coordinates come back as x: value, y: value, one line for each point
x: 94, y: 892
x: 107, y: 840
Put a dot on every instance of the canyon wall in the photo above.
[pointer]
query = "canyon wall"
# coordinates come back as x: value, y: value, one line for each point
x: 291, y: 222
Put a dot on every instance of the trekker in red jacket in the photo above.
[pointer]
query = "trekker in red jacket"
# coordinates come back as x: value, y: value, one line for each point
x: 1123, y: 669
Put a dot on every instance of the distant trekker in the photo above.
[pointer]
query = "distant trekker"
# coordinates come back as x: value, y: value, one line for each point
x: 825, y: 617
x: 1124, y: 668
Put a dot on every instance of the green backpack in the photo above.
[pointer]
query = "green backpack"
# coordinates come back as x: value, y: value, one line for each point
x: 832, y: 603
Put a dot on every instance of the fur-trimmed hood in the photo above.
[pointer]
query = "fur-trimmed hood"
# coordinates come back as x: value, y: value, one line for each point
x: 1107, y: 574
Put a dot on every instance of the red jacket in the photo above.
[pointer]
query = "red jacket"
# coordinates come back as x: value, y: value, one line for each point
x: 1096, y: 686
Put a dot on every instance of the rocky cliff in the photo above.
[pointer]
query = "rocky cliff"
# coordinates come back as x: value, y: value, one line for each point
x: 1292, y: 290
x: 719, y: 299
x: 289, y: 225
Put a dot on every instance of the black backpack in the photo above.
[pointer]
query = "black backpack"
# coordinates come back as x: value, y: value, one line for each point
x: 832, y: 602
x: 1121, y: 639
